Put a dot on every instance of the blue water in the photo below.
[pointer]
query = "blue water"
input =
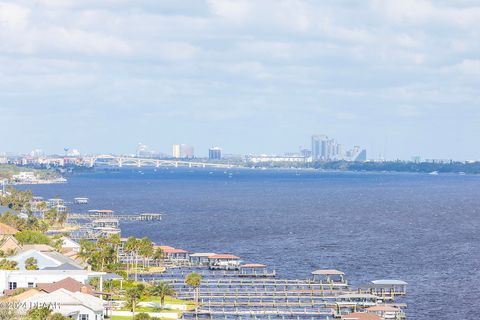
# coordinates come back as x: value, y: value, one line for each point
x: 419, y: 228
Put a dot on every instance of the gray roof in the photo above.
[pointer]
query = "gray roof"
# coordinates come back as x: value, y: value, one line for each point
x: 63, y: 259
x: 112, y: 276
x: 64, y: 266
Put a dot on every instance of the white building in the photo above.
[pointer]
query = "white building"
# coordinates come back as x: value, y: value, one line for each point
x: 25, y: 176
x: 46, y: 260
x: 76, y: 305
x: 269, y: 158
x: 68, y: 245
x: 13, y: 279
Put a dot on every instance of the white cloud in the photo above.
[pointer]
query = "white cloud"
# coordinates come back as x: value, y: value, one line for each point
x: 13, y: 16
x: 231, y: 10
x: 230, y: 60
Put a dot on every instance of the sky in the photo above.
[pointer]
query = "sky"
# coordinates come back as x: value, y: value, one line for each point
x: 400, y: 78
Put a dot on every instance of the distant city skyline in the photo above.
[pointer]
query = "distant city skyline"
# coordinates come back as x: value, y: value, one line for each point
x: 399, y: 78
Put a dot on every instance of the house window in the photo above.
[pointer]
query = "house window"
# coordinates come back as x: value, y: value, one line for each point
x: 83, y: 317
x: 30, y: 285
x: 12, y: 285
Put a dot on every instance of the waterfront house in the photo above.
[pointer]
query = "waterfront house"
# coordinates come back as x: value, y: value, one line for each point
x: 200, y: 258
x: 25, y: 177
x: 74, y: 305
x: 174, y: 253
x: 13, y: 279
x: 224, y: 261
x: 48, y: 260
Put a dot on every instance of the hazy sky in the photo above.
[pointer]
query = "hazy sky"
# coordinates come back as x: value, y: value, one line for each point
x: 399, y: 77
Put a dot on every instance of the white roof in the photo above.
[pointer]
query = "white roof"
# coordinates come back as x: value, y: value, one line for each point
x: 327, y: 272
x: 65, y: 297
x: 202, y: 254
x: 69, y: 243
x: 388, y: 281
x: 44, y: 259
x: 57, y: 272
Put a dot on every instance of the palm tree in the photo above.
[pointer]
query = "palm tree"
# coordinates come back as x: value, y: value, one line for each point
x: 133, y: 295
x: 194, y: 280
x: 157, y: 255
x: 31, y: 264
x: 87, y: 249
x: 161, y: 290
x: 115, y: 241
x: 145, y: 249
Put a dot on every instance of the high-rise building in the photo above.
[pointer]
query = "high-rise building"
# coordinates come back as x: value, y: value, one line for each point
x: 176, y: 151
x: 215, y: 153
x: 319, y: 146
x: 181, y: 151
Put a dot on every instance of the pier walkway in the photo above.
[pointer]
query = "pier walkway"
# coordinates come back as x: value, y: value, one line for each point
x: 227, y: 295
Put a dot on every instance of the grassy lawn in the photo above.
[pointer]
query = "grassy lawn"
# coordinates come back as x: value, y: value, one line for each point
x: 168, y: 300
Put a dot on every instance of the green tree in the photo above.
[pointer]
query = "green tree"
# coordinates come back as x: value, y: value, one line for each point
x: 8, y: 313
x: 31, y: 264
x: 132, y: 248
x: 8, y: 265
x: 57, y: 316
x: 38, y: 313
x: 145, y: 249
x: 158, y: 255
x: 162, y: 290
x: 143, y: 316
x: 134, y: 294
x: 194, y: 280
x: 32, y: 237
x: 51, y: 216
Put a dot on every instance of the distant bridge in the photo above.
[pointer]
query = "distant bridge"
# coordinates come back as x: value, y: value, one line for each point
x: 120, y: 161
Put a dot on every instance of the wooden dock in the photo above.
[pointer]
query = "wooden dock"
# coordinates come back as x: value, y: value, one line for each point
x: 227, y: 295
x: 90, y: 216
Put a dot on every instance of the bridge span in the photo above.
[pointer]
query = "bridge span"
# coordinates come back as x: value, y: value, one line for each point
x: 121, y: 161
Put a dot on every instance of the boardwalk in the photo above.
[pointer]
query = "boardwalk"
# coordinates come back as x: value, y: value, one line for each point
x: 227, y: 295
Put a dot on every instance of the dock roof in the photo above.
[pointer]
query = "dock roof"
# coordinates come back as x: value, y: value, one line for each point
x: 224, y: 256
x: 390, y: 282
x: 360, y: 316
x: 174, y: 250
x: 385, y: 308
x: 253, y: 265
x: 327, y: 272
x: 202, y: 254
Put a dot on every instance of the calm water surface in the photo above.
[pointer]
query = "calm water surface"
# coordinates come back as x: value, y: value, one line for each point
x: 419, y: 228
